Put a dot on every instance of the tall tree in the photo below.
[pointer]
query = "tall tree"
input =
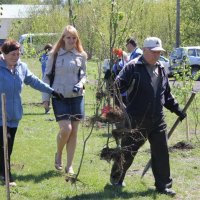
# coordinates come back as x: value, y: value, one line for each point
x: 190, y: 18
x: 138, y: 18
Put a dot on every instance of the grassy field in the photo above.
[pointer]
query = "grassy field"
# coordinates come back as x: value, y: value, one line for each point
x: 35, y: 146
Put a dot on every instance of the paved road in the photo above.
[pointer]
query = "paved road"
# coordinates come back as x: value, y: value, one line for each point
x: 196, y: 86
x: 172, y: 82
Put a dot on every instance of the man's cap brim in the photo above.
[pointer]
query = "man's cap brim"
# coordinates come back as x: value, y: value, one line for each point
x: 156, y: 49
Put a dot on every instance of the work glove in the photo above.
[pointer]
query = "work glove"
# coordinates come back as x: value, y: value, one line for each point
x: 182, y: 115
x: 57, y: 95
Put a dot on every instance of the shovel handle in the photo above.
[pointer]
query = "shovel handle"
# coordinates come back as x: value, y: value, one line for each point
x: 148, y: 165
x: 5, y: 144
x: 184, y: 110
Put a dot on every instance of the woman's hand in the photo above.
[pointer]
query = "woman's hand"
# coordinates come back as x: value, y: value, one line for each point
x: 46, y: 105
x: 78, y: 88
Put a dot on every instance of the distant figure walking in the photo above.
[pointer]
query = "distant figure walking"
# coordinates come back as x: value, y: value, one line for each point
x: 44, y: 57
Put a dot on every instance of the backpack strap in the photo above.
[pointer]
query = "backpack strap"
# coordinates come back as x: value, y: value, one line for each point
x: 52, y: 74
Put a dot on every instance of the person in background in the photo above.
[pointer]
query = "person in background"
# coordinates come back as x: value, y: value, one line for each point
x: 70, y: 76
x: 135, y: 53
x: 132, y: 48
x: 148, y: 90
x: 117, y: 67
x: 43, y: 59
x: 13, y: 74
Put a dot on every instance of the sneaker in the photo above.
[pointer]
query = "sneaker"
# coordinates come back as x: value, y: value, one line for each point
x: 123, y: 184
x: 69, y: 171
x: 166, y: 191
x: 117, y: 184
x: 12, y: 183
x: 47, y: 111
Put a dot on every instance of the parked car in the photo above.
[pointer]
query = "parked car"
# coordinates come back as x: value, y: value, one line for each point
x: 189, y: 54
x: 166, y: 64
x: 34, y: 42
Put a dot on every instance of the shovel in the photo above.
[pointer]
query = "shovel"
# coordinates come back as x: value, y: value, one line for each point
x: 148, y: 165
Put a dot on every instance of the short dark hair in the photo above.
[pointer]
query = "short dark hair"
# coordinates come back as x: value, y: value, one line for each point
x: 10, y: 45
x: 48, y: 47
x: 131, y: 41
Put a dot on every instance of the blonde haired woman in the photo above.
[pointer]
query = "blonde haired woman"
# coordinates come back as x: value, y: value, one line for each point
x: 70, y: 76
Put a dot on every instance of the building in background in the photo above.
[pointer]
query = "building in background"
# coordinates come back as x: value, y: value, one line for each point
x: 12, y: 12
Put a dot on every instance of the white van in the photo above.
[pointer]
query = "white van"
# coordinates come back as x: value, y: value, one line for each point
x: 190, y: 54
x: 33, y: 43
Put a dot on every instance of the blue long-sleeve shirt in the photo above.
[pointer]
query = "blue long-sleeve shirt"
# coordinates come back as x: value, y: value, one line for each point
x: 11, y: 83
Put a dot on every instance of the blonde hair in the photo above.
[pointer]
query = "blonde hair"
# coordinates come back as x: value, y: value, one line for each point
x: 61, y: 44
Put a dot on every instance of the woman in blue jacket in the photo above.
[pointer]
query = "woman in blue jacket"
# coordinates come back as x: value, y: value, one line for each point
x: 13, y: 74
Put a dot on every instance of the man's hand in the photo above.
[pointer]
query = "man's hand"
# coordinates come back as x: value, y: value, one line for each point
x: 182, y: 115
x: 57, y: 95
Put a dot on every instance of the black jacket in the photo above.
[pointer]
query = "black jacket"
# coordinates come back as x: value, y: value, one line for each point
x: 141, y: 100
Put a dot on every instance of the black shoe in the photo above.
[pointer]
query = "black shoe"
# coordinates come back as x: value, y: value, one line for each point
x: 166, y: 191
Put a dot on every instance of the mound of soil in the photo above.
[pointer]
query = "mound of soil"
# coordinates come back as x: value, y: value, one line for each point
x: 182, y: 146
x: 115, y: 115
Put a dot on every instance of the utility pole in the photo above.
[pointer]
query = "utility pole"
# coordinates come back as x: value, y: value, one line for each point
x: 177, y: 23
x: 71, y: 16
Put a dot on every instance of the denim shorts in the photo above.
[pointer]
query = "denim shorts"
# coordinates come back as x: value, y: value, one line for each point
x: 68, y: 108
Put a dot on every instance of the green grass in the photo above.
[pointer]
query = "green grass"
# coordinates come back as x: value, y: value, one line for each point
x: 35, y: 146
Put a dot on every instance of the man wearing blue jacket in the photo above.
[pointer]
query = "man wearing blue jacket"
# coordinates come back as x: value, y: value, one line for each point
x: 148, y: 90
x: 13, y: 74
x: 133, y: 49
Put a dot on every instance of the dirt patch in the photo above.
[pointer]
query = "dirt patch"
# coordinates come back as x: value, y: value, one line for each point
x: 182, y: 146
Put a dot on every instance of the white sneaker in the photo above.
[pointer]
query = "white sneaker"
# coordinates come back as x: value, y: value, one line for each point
x: 12, y: 184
